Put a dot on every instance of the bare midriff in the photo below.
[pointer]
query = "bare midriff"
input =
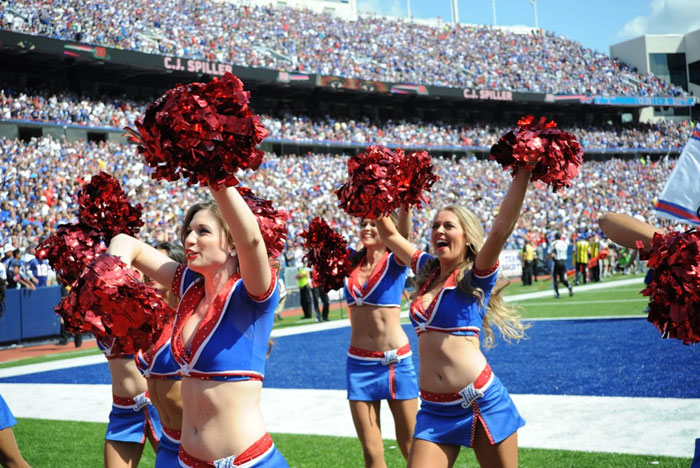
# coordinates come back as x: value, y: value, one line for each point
x: 376, y: 328
x: 221, y: 418
x: 165, y: 395
x: 448, y: 362
x: 127, y: 381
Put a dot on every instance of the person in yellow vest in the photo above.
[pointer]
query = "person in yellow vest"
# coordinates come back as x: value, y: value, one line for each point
x: 304, y: 290
x: 581, y: 254
x: 594, y: 263
x: 528, y: 259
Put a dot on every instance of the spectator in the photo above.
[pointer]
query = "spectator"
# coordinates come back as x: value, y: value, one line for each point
x: 369, y: 48
x: 39, y: 268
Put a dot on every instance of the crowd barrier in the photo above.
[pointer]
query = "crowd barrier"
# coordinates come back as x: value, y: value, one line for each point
x: 30, y: 314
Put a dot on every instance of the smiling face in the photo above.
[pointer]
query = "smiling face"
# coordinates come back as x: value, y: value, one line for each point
x: 448, y: 238
x: 206, y: 243
x: 369, y: 235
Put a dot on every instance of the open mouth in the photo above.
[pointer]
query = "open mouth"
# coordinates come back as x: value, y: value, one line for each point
x: 441, y: 243
x: 191, y: 255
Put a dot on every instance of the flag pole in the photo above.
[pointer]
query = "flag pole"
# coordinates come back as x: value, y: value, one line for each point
x: 455, y: 12
x: 493, y: 8
x: 534, y: 6
x: 408, y: 3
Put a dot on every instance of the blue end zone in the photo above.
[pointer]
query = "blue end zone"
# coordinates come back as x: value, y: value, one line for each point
x: 624, y: 357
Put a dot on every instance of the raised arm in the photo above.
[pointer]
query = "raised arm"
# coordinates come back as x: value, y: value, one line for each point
x: 405, y: 224
x: 250, y: 246
x: 626, y: 230
x: 505, y: 221
x: 391, y: 237
x: 149, y: 261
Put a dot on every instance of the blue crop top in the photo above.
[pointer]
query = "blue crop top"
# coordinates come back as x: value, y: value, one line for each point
x: 158, y: 361
x: 384, y: 287
x: 451, y: 311
x: 231, y: 341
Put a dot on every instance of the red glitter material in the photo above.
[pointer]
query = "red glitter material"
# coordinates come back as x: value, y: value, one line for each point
x: 69, y: 249
x: 674, y: 291
x: 414, y: 177
x: 370, y: 191
x: 204, y: 133
x: 272, y: 222
x: 553, y: 156
x: 105, y: 207
x: 380, y: 180
x: 327, y: 254
x: 109, y: 299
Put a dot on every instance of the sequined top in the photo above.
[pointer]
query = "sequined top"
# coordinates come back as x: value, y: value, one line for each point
x: 451, y: 311
x: 231, y: 341
x: 384, y: 287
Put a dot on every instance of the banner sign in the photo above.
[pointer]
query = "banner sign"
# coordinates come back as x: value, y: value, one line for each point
x: 43, y: 44
x: 511, y: 265
x: 681, y: 195
x: 626, y: 101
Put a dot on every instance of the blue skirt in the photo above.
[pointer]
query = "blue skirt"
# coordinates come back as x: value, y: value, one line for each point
x: 374, y: 381
x: 453, y: 424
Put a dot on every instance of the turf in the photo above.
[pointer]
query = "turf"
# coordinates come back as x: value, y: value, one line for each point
x: 619, y: 301
x: 64, y: 444
x: 50, y: 357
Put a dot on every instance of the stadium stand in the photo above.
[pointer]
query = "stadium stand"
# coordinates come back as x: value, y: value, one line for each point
x: 118, y: 113
x: 40, y: 178
x: 371, y: 48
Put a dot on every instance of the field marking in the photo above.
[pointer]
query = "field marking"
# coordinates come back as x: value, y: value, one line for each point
x: 583, y: 302
x: 587, y: 287
x: 52, y: 365
x: 645, y: 426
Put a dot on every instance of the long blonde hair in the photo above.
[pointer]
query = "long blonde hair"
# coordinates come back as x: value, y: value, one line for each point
x: 506, y: 318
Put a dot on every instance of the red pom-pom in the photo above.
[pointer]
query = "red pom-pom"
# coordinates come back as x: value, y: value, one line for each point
x: 70, y: 249
x: 371, y: 189
x: 327, y: 255
x: 415, y: 176
x: 202, y: 132
x: 109, y: 299
x: 105, y: 207
x: 674, y: 291
x: 552, y: 155
x: 272, y: 222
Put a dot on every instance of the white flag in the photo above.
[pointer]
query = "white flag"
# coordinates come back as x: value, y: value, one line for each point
x: 681, y: 195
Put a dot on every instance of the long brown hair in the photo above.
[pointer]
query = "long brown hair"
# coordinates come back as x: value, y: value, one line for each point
x: 506, y: 318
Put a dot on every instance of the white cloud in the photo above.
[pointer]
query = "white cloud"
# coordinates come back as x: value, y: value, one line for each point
x: 666, y: 17
x: 393, y: 8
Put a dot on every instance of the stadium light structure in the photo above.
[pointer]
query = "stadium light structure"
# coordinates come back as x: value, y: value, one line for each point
x: 534, y: 7
x: 455, y: 12
x: 408, y: 5
x: 493, y: 10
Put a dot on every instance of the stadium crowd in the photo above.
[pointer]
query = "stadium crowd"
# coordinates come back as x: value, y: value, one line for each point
x: 372, y: 48
x: 41, y: 177
x: 79, y: 110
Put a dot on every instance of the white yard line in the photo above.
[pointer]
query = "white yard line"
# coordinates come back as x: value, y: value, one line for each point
x: 647, y: 426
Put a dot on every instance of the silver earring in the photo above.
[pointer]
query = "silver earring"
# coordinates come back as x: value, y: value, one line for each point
x: 233, y: 253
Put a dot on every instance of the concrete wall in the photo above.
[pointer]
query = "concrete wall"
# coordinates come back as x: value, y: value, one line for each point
x: 633, y: 53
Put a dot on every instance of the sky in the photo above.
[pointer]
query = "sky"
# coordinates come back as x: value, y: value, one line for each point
x: 597, y: 24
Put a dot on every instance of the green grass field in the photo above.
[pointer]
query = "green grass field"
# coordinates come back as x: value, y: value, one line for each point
x: 619, y: 301
x: 63, y: 444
